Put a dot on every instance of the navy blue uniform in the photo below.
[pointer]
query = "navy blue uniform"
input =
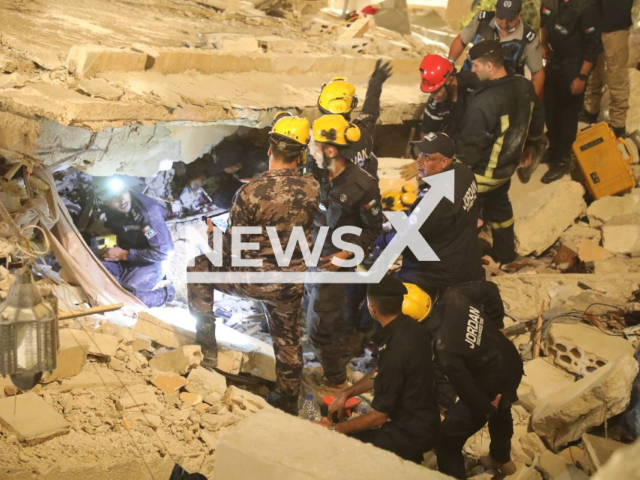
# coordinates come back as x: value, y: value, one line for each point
x: 143, y: 232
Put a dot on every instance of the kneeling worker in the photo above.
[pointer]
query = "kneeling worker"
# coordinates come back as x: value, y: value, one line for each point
x: 404, y: 404
x: 484, y: 368
x: 143, y: 240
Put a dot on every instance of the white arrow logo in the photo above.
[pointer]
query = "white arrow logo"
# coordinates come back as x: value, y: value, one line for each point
x: 407, y: 236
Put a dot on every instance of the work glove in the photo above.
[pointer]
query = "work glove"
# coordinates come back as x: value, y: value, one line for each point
x: 381, y: 73
x: 409, y: 171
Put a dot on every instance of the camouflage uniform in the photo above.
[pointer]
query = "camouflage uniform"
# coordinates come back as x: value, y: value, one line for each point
x: 282, y: 199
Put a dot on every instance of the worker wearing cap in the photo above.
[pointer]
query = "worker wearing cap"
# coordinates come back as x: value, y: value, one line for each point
x: 570, y: 36
x: 615, y: 24
x: 484, y: 368
x: 350, y: 197
x: 143, y: 240
x: 282, y: 199
x: 338, y: 97
x: 404, y: 414
x: 503, y: 122
x: 451, y: 229
x: 519, y: 41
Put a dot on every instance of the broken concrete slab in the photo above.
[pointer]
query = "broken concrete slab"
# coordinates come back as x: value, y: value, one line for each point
x: 355, y: 29
x: 579, y: 458
x: 565, y: 415
x: 162, y: 332
x: 142, y: 397
x: 259, y: 359
x: 181, y: 360
x: 556, y: 467
x: 575, y: 234
x: 230, y: 361
x: 146, y: 49
x: 100, y: 344
x: 621, y: 238
x: 190, y: 399
x: 211, y: 385
x: 600, y: 449
x: 169, y: 384
x: 233, y: 43
x: 99, y: 87
x: 606, y: 209
x: 617, y: 265
x: 72, y: 355
x: 532, y: 444
x: 582, y: 349
x: 590, y: 252
x: 89, y: 60
x: 540, y: 380
x: 142, y: 344
x: 543, y: 215
x: 624, y: 463
x: 13, y: 80
x: 252, y: 451
x: 30, y: 418
x: 247, y: 402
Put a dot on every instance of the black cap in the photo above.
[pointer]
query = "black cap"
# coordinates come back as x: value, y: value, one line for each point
x: 508, y: 9
x: 388, y: 287
x: 483, y: 48
x: 436, y: 143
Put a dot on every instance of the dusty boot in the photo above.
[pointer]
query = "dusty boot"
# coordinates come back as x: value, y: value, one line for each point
x: 586, y: 117
x: 558, y: 169
x: 619, y: 132
x: 286, y: 403
x: 504, y: 469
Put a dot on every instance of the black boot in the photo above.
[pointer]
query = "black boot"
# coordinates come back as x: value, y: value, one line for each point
x: 586, y: 117
x: 558, y: 169
x: 619, y: 131
x: 286, y: 403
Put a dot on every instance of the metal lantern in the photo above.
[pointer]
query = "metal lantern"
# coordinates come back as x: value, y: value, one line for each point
x: 28, y: 332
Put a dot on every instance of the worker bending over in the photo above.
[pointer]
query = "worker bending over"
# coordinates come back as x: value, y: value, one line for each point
x: 143, y: 240
x: 404, y: 417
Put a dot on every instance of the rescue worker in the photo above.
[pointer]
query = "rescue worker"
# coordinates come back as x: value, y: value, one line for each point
x: 280, y: 198
x: 484, y: 368
x: 519, y: 41
x: 615, y: 23
x: 339, y: 97
x: 404, y: 406
x: 143, y: 240
x: 570, y: 38
x: 451, y: 229
x: 503, y: 120
x: 350, y: 197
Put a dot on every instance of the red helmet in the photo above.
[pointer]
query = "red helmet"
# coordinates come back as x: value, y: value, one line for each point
x: 434, y: 71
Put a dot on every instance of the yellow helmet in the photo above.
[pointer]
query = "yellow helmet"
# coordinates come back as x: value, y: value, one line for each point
x: 408, y: 199
x: 416, y: 303
x: 409, y: 188
x: 393, y: 201
x: 338, y: 96
x: 290, y: 133
x: 335, y: 130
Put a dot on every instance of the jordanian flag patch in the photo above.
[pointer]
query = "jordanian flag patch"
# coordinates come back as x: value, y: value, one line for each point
x: 546, y: 11
x: 589, y: 30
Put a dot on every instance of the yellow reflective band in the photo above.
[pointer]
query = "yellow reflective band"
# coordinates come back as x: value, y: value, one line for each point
x: 499, y: 225
x: 487, y: 184
x: 497, y: 147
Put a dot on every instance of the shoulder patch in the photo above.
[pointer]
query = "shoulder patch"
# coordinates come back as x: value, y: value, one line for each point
x: 483, y: 14
x: 530, y: 36
x: 545, y: 11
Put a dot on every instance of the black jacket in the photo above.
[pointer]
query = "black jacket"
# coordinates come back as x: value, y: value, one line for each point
x: 616, y: 15
x: 353, y: 199
x: 366, y: 121
x: 502, y: 115
x: 452, y: 232
x: 573, y: 34
x: 478, y: 359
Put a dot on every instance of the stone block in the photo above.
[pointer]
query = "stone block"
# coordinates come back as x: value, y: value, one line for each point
x: 190, y: 399
x: 543, y: 215
x: 621, y: 238
x: 556, y: 467
x: 269, y: 445
x: 624, y: 463
x: 540, y: 380
x: 181, y: 360
x: 355, y: 29
x: 211, y: 385
x: 87, y: 61
x: 100, y: 344
x: 142, y: 344
x: 532, y: 444
x: 142, y: 398
x: 99, y: 87
x: 579, y: 458
x: 582, y: 349
x: 575, y: 234
x: 234, y: 43
x: 163, y: 333
x: 31, y: 419
x: 72, y: 356
x: 230, y: 361
x: 590, y: 252
x: 600, y: 449
x: 246, y: 402
x: 169, y: 384
x: 216, y: 421
x: 617, y: 265
x: 565, y: 415
x: 607, y: 209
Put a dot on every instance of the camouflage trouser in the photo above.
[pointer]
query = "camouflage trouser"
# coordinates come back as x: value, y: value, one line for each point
x: 281, y: 304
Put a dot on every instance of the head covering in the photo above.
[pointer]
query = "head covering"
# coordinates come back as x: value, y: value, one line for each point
x: 481, y: 49
x: 508, y: 9
x: 436, y: 143
x: 389, y: 286
x: 108, y: 187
